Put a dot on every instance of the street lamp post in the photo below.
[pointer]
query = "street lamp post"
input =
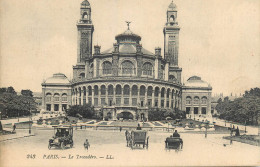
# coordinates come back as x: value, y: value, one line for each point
x: 206, y: 126
x: 29, y: 118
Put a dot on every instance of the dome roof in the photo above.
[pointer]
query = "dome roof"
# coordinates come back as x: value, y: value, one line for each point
x: 57, y: 78
x: 172, y: 6
x: 128, y: 49
x: 196, y: 81
x: 85, y: 3
x: 128, y: 36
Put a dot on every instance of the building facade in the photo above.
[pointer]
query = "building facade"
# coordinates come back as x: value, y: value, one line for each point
x: 196, y: 97
x: 126, y: 78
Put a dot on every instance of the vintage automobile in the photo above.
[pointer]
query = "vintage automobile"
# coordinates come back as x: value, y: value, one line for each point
x: 173, y: 143
x: 63, y: 136
x: 137, y: 138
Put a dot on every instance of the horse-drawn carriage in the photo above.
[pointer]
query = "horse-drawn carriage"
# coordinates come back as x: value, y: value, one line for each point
x: 173, y: 143
x: 137, y: 138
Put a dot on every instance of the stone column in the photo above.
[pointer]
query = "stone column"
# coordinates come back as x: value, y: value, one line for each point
x: 165, y: 99
x: 114, y: 96
x: 153, y: 99
x: 138, y: 96
x: 159, y: 98
x: 170, y: 99
x: 99, y: 96
x: 82, y: 96
x: 92, y: 96
x: 122, y: 97
x: 87, y: 95
x: 145, y: 98
x: 106, y: 98
x: 60, y: 103
x: 130, y: 97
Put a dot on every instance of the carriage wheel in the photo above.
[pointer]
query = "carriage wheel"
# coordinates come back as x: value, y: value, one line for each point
x: 62, y: 145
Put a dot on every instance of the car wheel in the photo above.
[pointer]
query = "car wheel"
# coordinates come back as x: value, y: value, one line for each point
x: 62, y: 145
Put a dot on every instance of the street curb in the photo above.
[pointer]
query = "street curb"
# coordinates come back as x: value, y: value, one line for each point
x: 16, y: 138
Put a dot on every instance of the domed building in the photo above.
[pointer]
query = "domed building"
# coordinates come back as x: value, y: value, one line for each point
x: 126, y: 78
x: 56, y: 92
x: 196, y: 96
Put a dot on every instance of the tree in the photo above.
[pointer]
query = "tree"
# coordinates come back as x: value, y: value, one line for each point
x: 3, y: 90
x: 86, y: 111
x: 241, y: 110
x: 11, y: 90
x: 27, y: 92
x: 155, y: 114
x: 13, y: 105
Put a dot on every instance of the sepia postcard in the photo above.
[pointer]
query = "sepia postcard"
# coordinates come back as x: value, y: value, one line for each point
x: 129, y: 83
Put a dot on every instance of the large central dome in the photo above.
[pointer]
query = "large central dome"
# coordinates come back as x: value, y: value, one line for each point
x: 127, y: 42
x: 128, y: 37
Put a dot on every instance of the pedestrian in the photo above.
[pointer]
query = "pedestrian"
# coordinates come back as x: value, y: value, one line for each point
x: 14, y: 127
x: 120, y: 128
x: 86, y: 144
x: 237, y: 132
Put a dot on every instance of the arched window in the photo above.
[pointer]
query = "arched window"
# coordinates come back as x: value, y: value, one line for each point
x: 103, y: 90
x: 95, y: 90
x: 134, y: 90
x: 148, y: 69
x: 85, y: 15
x: 126, y: 90
x: 196, y: 100
x: 188, y: 100
x: 172, y: 78
x: 142, y: 90
x: 204, y: 100
x: 64, y: 97
x: 91, y: 70
x: 89, y: 90
x: 127, y: 67
x: 48, y: 97
x: 156, y: 92
x: 162, y: 92
x: 107, y: 68
x: 118, y: 90
x: 110, y: 90
x: 56, y: 97
x: 82, y: 75
x: 172, y: 18
x: 150, y: 91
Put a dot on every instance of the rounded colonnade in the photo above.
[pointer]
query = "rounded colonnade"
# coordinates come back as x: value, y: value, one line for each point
x: 125, y: 94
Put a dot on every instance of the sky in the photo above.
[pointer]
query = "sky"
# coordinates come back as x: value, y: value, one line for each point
x: 219, y: 39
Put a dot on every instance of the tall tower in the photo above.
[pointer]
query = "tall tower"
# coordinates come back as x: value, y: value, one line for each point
x: 171, y: 43
x: 171, y: 36
x: 85, y: 33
